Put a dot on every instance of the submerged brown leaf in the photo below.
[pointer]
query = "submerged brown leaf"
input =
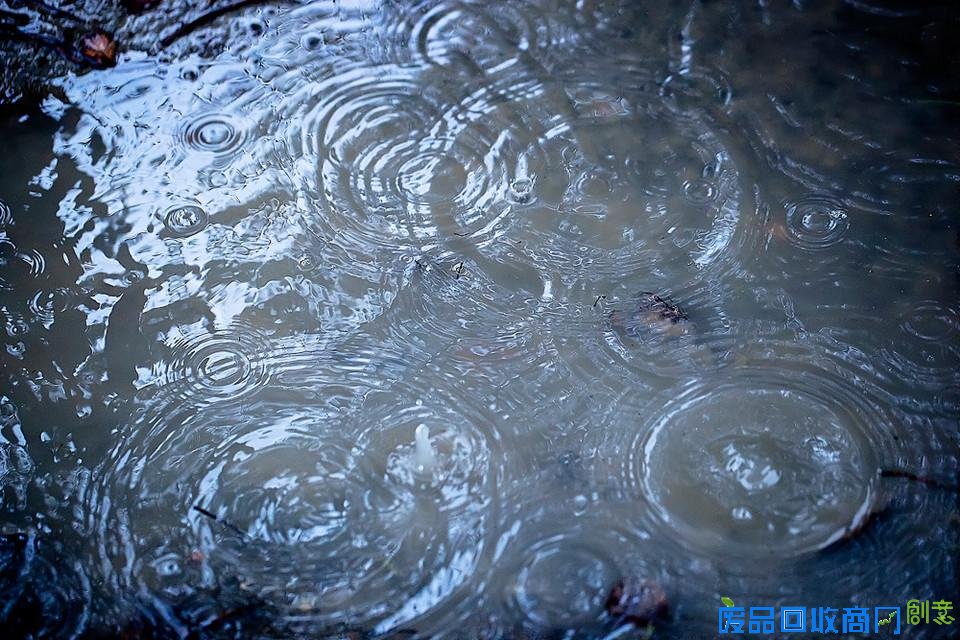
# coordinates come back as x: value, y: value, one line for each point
x: 99, y: 49
x: 639, y: 602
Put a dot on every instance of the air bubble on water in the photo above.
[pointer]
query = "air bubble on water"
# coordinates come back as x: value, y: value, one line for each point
x: 547, y: 290
x: 217, y: 179
x: 521, y: 189
x: 185, y: 220
x: 741, y: 513
x: 580, y: 503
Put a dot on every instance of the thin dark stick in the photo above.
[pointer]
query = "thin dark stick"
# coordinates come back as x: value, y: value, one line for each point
x: 189, y: 27
x: 47, y: 41
x: 930, y: 482
x: 43, y: 7
x: 13, y: 18
x: 225, y: 523
x: 230, y: 614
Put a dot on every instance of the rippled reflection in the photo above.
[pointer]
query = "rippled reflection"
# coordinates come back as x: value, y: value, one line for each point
x: 355, y: 319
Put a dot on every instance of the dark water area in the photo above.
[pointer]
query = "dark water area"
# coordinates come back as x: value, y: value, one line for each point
x: 438, y: 319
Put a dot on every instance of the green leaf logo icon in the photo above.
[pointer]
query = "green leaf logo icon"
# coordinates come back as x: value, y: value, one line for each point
x: 727, y: 602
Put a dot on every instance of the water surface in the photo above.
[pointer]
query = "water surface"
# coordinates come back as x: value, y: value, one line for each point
x: 238, y: 272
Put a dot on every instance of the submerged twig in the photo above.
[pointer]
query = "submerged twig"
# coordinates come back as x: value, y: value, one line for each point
x: 229, y: 615
x: 187, y: 28
x: 43, y: 7
x: 222, y: 521
x: 930, y: 482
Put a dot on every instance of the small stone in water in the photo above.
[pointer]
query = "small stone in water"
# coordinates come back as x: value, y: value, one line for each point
x: 639, y: 602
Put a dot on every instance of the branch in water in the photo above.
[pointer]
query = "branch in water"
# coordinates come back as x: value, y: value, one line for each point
x: 930, y: 482
x: 46, y: 9
x: 187, y: 28
x: 225, y: 523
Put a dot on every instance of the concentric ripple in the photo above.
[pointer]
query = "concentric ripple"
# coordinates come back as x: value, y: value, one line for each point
x: 323, y: 514
x: 816, y: 222
x: 440, y: 33
x: 926, y: 350
x: 563, y: 583
x: 224, y: 365
x: 215, y: 134
x: 770, y: 470
x: 617, y: 186
x: 559, y: 560
x: 185, y: 220
x: 371, y: 152
x: 776, y: 458
x: 448, y: 510
x: 451, y: 305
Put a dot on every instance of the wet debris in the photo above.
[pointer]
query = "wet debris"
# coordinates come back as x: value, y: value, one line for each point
x: 661, y: 308
x: 651, y: 313
x: 78, y: 40
x: 99, y: 49
x: 218, y: 611
x: 638, y: 602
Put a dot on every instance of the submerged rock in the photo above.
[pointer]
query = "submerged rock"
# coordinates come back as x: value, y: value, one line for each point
x: 639, y: 602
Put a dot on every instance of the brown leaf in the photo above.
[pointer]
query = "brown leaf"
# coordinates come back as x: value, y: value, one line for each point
x: 99, y: 49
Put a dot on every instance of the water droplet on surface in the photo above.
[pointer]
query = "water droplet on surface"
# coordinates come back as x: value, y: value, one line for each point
x: 216, y: 134
x: 521, y: 189
x: 424, y: 455
x: 699, y: 191
x: 816, y: 222
x: 580, y: 503
x: 185, y: 220
x: 750, y: 464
